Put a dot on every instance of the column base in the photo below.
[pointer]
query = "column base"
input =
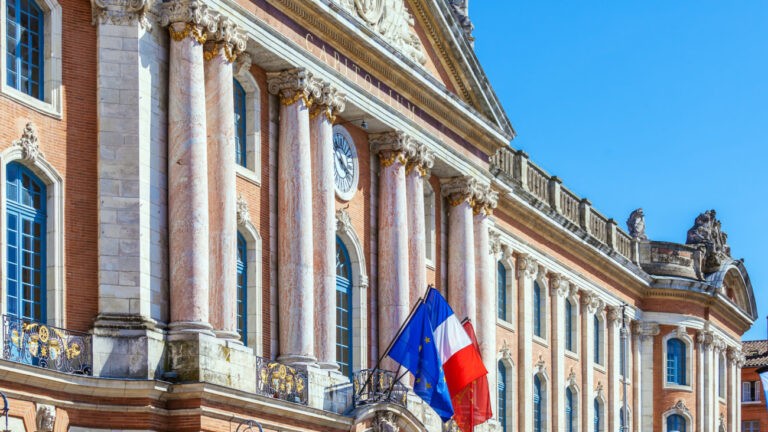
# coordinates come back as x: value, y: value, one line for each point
x: 297, y: 360
x: 199, y: 357
x: 329, y: 390
x: 128, y: 346
x: 329, y: 366
x: 182, y: 328
x: 229, y: 336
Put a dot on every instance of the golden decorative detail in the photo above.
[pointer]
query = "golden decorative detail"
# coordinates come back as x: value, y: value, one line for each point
x: 298, y: 96
x: 189, y: 30
x: 325, y: 111
x: 393, y: 157
x: 457, y: 199
x: 44, y: 334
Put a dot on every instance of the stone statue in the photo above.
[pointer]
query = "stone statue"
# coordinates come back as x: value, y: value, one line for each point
x: 707, y: 231
x: 460, y: 10
x: 385, y: 421
x: 636, y: 225
x: 46, y: 417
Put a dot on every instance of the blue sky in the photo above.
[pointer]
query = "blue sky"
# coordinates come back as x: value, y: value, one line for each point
x: 656, y: 104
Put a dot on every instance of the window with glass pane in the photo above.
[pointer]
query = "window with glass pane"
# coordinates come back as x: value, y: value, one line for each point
x: 501, y: 396
x: 24, y: 46
x: 622, y: 420
x: 721, y: 377
x: 596, y: 420
x: 598, y: 342
x: 240, y: 123
x: 676, y: 361
x: 570, y: 413
x: 343, y: 309
x: 537, y: 404
x: 622, y: 354
x: 242, y: 288
x: 750, y: 391
x: 26, y: 225
x: 750, y: 426
x: 501, y: 291
x: 537, y: 309
x: 676, y: 423
x: 568, y: 325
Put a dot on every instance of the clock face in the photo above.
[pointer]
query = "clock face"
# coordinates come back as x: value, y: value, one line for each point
x: 344, y: 165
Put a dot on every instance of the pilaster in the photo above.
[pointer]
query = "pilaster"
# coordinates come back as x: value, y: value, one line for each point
x: 614, y: 315
x: 559, y: 287
x: 527, y: 270
x: 590, y: 305
x: 646, y: 333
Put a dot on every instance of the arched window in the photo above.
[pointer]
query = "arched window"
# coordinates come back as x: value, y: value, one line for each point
x: 537, y: 402
x: 676, y: 423
x: 240, y: 122
x: 596, y: 420
x: 501, y: 396
x: 622, y: 420
x: 26, y: 222
x: 568, y: 325
x: 598, y: 341
x: 429, y: 223
x: 242, y: 288
x: 721, y: 376
x: 25, y: 54
x: 343, y: 309
x: 676, y: 361
x: 570, y: 412
x: 537, y: 310
x: 501, y: 291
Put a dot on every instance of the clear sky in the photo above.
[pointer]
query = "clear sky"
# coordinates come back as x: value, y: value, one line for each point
x: 656, y: 104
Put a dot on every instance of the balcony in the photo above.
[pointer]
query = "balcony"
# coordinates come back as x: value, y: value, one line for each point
x: 379, y: 388
x: 48, y: 347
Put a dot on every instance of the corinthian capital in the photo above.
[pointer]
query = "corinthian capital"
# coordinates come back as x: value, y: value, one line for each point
x: 294, y: 85
x: 615, y: 315
x: 485, y: 200
x: 226, y: 38
x: 460, y: 189
x: 527, y: 266
x: 705, y: 339
x: 591, y: 301
x: 393, y: 146
x: 559, y: 285
x: 120, y: 12
x: 330, y: 102
x: 187, y: 11
x: 422, y: 159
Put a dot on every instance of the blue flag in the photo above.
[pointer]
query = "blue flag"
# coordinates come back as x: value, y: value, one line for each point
x: 763, y: 373
x: 415, y: 350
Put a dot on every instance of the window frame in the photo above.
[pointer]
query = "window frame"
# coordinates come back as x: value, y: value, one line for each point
x: 346, y: 283
x: 754, y: 387
x: 430, y: 224
x: 242, y: 288
x: 251, y: 171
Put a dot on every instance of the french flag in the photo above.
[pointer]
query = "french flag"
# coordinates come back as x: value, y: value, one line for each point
x: 461, y: 361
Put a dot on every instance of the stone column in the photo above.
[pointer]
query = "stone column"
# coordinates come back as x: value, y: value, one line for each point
x: 322, y: 116
x: 393, y: 149
x: 706, y: 389
x: 613, y: 363
x: 559, y: 288
x: 484, y: 202
x: 637, y: 366
x: 219, y: 55
x: 527, y: 270
x: 296, y: 89
x: 416, y: 173
x: 462, y: 294
x: 590, y: 305
x: 188, y: 167
x: 647, y: 331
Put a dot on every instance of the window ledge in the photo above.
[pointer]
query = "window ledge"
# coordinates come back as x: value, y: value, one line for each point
x: 598, y: 367
x: 571, y: 354
x: 540, y: 341
x: 430, y: 264
x: 52, y: 109
x: 678, y: 387
x: 248, y: 175
x: 755, y: 402
x: 506, y: 325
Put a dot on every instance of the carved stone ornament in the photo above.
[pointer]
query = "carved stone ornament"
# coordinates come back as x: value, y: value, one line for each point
x: 460, y: 189
x: 636, y: 225
x: 390, y: 20
x: 385, y: 421
x: 541, y: 365
x: 121, y: 12
x: 421, y: 158
x: 707, y: 231
x: 294, y: 85
x: 600, y: 391
x: 243, y: 214
x: 330, y: 102
x: 392, y: 146
x: 680, y: 406
x: 736, y: 357
x: 45, y: 418
x: 343, y: 221
x: 224, y: 37
x: 614, y: 315
x: 188, y: 11
x: 506, y: 351
x: 559, y: 285
x: 705, y: 339
x: 485, y: 199
x: 460, y: 9
x: 527, y: 266
x: 30, y: 147
x: 571, y: 379
x: 591, y: 301
x: 646, y: 329
x: 242, y: 64
x: 494, y: 243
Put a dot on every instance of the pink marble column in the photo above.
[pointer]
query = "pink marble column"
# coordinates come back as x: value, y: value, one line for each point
x: 462, y: 294
x: 222, y: 238
x: 187, y: 175
x: 417, y: 172
x: 322, y: 115
x: 484, y: 203
x: 295, y: 274
x: 393, y: 302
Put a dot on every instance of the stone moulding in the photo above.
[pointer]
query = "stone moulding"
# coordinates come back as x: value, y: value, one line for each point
x: 121, y: 12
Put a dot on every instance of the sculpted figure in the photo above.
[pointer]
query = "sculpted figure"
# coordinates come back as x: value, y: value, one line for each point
x: 636, y: 225
x: 46, y: 417
x: 701, y: 231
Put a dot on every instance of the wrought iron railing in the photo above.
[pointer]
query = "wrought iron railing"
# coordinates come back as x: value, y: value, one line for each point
x: 375, y: 386
x: 279, y: 381
x: 46, y: 346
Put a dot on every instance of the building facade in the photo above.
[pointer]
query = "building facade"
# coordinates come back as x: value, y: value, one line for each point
x: 754, y: 414
x: 220, y: 212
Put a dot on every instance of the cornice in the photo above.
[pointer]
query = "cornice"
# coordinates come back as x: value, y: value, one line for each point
x: 395, y: 70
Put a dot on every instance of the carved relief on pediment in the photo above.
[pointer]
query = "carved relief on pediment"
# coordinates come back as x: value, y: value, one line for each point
x: 390, y: 20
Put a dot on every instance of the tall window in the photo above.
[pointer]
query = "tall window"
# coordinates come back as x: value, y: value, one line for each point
x: 537, y: 310
x: 675, y: 423
x: 501, y: 396
x: 596, y: 420
x: 568, y: 325
x: 429, y: 222
x: 242, y: 288
x: 676, y: 361
x: 570, y: 412
x: 598, y: 341
x: 537, y: 402
x: 721, y: 376
x: 622, y: 420
x: 750, y: 426
x: 622, y: 355
x: 24, y: 46
x: 750, y: 391
x: 240, y: 122
x: 343, y: 309
x: 26, y: 221
x: 501, y: 291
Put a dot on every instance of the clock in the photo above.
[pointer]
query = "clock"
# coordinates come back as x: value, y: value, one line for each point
x: 345, y: 167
